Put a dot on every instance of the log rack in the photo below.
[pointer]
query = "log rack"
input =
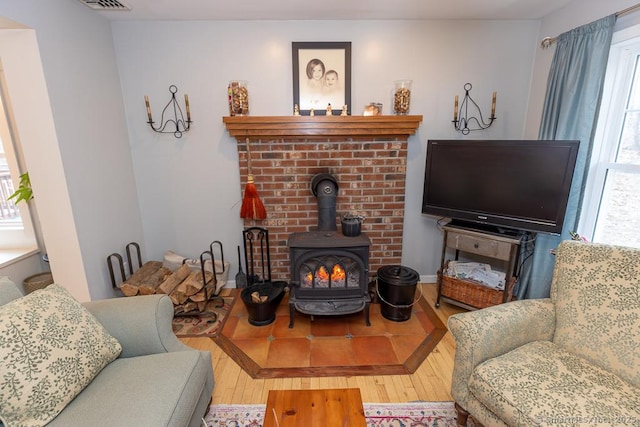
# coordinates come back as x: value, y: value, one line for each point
x: 152, y: 277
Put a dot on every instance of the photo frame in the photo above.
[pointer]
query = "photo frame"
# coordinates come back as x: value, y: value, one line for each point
x: 321, y: 76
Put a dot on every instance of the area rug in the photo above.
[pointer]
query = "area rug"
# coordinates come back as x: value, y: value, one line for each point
x: 206, y: 324
x: 415, y: 414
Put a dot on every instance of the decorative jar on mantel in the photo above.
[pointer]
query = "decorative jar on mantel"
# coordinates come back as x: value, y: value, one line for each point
x: 238, y: 98
x: 402, y: 96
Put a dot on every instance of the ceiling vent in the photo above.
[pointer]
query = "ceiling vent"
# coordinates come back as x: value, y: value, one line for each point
x: 105, y: 5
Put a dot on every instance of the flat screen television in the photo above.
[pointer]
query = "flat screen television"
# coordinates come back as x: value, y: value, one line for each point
x: 512, y: 184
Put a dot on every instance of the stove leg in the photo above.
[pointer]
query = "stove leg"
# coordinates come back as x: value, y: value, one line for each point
x: 366, y: 314
x: 291, y: 314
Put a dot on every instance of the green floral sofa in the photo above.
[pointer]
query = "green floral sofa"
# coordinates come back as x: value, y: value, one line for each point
x: 113, y: 362
x: 573, y: 358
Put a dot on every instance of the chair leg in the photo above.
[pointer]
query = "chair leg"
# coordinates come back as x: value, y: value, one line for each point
x: 462, y: 415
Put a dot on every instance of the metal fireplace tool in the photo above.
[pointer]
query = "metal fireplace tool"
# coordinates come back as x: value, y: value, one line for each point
x: 268, y: 293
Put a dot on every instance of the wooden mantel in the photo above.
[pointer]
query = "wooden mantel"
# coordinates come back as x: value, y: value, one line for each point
x: 329, y: 127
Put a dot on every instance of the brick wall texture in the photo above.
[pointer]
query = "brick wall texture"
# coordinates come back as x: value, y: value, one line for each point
x: 371, y: 180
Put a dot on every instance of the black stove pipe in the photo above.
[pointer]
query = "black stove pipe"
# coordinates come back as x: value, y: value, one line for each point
x: 325, y: 188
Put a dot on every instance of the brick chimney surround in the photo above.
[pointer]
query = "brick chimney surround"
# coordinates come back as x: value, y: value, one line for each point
x: 366, y: 154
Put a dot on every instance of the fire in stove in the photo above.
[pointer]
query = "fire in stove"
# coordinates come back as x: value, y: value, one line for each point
x: 317, y: 273
x: 322, y: 278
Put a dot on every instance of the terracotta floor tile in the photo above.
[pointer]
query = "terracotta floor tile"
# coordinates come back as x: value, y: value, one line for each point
x: 283, y: 308
x: 374, y: 308
x: 245, y: 330
x: 408, y: 327
x: 426, y: 322
x: 257, y: 349
x: 238, y: 307
x: 301, y: 327
x: 373, y: 351
x: 230, y: 325
x: 328, y: 326
x: 357, y: 326
x: 335, y: 351
x: 405, y: 345
x: 340, y: 343
x: 289, y: 352
x: 417, y: 308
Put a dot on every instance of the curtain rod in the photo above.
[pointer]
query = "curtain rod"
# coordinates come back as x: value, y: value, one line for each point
x: 548, y: 41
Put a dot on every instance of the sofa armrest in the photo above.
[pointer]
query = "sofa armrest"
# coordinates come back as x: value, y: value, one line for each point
x: 484, y: 334
x: 8, y: 290
x: 142, y: 324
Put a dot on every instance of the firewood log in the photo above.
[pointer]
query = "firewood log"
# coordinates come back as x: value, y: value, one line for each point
x: 189, y: 286
x: 257, y: 298
x: 149, y: 287
x: 194, y: 286
x: 129, y: 290
x: 174, y: 280
x: 174, y: 299
x: 198, y: 296
x: 131, y: 286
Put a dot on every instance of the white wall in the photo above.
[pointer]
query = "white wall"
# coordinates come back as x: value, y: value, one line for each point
x: 80, y: 167
x: 189, y: 189
x: 35, y: 130
x: 575, y: 14
x: 181, y: 194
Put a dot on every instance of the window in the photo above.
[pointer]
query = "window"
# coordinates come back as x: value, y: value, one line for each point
x: 16, y: 230
x: 9, y: 212
x: 611, y: 212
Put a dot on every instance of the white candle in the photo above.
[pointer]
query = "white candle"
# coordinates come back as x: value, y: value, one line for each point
x: 186, y: 103
x: 493, y: 105
x: 146, y: 102
x: 455, y: 110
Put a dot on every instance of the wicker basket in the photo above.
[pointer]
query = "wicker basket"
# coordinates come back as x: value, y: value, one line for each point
x: 37, y: 281
x: 472, y: 293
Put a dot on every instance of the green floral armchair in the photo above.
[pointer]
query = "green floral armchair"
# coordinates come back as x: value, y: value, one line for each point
x: 573, y: 358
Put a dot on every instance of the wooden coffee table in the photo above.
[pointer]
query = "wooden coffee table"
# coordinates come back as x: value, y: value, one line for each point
x: 340, y: 407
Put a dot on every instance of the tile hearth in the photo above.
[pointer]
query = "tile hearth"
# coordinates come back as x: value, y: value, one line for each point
x: 330, y: 345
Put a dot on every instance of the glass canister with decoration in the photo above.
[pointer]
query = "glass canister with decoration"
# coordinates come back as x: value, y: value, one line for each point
x: 402, y: 96
x: 238, y: 98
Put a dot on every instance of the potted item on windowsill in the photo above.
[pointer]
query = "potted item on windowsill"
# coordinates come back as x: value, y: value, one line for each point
x: 37, y: 281
x: 25, y: 193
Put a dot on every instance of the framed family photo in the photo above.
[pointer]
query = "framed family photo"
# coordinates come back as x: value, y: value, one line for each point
x: 321, y: 76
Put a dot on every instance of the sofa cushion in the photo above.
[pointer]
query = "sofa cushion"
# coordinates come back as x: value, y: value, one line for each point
x: 541, y: 383
x: 156, y: 390
x: 596, y: 291
x: 51, y: 347
x: 8, y: 290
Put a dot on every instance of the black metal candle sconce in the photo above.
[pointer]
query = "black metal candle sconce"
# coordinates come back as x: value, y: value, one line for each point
x: 181, y: 125
x: 464, y: 123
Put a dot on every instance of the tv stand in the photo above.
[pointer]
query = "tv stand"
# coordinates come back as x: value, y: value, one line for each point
x: 486, y: 228
x: 492, y: 247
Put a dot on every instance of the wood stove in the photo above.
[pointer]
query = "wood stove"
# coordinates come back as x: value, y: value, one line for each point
x: 329, y: 271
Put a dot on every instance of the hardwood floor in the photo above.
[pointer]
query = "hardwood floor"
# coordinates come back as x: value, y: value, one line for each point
x: 430, y: 382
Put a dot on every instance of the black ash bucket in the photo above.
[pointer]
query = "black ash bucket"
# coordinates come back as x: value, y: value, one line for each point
x: 261, y: 314
x: 396, y: 289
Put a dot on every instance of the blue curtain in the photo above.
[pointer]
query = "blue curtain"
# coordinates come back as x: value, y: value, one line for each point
x: 571, y: 105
